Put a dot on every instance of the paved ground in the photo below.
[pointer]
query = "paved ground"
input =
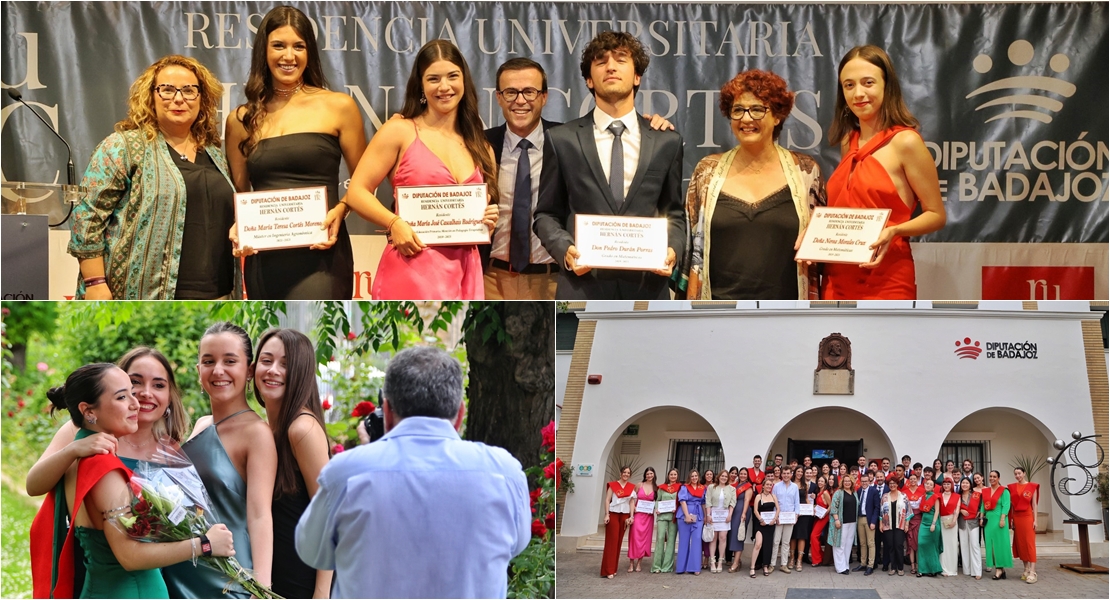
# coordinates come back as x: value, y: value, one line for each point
x: 576, y: 576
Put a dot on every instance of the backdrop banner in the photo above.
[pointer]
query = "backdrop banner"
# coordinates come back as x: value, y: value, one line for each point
x: 1012, y: 98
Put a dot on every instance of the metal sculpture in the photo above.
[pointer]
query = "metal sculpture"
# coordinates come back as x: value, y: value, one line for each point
x: 1071, y: 450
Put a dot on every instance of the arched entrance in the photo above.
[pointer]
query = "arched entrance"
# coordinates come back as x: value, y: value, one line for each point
x: 832, y: 432
x: 661, y: 438
x: 995, y: 438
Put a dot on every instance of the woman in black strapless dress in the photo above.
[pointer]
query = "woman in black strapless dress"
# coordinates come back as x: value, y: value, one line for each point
x: 292, y: 133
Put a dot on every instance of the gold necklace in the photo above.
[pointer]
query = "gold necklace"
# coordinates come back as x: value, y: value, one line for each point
x: 285, y: 93
x: 144, y: 444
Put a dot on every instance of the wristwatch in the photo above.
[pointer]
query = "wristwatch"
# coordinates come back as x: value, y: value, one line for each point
x: 205, y: 546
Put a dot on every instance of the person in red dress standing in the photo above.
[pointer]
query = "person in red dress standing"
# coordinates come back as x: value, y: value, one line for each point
x: 618, y: 497
x: 816, y: 539
x: 1024, y: 496
x: 884, y: 164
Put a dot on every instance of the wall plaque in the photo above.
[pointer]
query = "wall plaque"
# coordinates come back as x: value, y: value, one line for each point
x: 834, y: 373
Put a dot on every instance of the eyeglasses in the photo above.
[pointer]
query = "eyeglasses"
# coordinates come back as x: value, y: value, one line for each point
x: 755, y: 112
x: 510, y: 94
x: 169, y: 92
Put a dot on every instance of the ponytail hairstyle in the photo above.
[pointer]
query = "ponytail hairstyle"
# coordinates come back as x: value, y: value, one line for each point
x: 176, y: 423
x: 468, y: 121
x: 260, y: 82
x: 233, y: 329
x: 85, y: 385
x: 301, y: 394
x: 893, y: 110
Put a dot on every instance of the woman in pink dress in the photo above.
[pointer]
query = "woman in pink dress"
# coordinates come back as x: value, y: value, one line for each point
x: 438, y: 141
x: 642, y: 526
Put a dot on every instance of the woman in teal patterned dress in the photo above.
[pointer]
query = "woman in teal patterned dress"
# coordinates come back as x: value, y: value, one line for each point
x: 153, y: 224
x: 99, y: 400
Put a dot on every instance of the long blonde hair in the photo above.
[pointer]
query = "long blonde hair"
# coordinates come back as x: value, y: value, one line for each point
x: 140, y: 102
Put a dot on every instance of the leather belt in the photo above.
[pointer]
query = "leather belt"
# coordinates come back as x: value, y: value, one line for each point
x: 532, y: 269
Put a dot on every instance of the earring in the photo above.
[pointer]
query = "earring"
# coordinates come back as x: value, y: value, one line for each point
x: 168, y: 413
x: 90, y: 419
x: 423, y: 98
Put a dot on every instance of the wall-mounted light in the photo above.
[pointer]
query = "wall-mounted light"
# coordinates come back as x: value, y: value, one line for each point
x: 593, y: 379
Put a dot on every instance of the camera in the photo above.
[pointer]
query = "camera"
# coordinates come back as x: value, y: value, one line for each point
x: 374, y: 423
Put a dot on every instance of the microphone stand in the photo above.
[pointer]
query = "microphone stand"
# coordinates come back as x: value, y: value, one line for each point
x: 70, y: 170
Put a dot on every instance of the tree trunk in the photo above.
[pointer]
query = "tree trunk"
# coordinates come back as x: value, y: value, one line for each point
x: 512, y: 385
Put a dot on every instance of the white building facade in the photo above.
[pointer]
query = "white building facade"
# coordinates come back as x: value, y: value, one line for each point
x: 683, y: 384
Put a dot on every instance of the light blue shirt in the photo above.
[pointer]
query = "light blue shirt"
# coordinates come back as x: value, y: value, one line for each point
x: 419, y: 513
x: 787, y: 495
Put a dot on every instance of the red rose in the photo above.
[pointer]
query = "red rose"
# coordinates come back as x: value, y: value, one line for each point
x: 549, y: 471
x: 21, y: 403
x: 336, y: 449
x: 141, y: 507
x: 351, y: 336
x: 363, y: 408
x: 549, y: 520
x: 140, y: 528
x: 538, y: 528
x: 327, y: 404
x: 535, y: 494
x: 548, y: 433
x: 11, y: 414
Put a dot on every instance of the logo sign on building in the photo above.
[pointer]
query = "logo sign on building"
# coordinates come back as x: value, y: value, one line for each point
x: 584, y: 470
x: 969, y: 348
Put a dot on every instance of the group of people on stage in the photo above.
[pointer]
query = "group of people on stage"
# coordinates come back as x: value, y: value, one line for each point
x: 158, y: 220
x: 932, y: 519
x: 280, y: 498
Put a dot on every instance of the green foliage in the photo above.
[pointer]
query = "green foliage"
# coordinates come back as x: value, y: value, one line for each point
x: 566, y: 479
x: 1102, y: 488
x: 1030, y: 464
x: 487, y: 317
x: 15, y: 553
x: 24, y: 319
x: 532, y: 572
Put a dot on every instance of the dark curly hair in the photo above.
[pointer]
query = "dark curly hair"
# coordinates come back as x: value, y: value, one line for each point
x: 609, y: 41
x: 765, y: 85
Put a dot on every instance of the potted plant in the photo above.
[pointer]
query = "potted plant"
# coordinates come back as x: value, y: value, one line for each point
x: 1103, y: 499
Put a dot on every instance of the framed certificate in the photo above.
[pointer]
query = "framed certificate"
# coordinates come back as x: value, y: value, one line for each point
x: 805, y: 510
x: 275, y: 219
x: 633, y: 243
x: 645, y: 506
x: 666, y: 506
x: 721, y: 525
x: 842, y: 235
x: 788, y: 518
x: 767, y: 516
x: 820, y: 512
x: 719, y: 514
x: 445, y: 215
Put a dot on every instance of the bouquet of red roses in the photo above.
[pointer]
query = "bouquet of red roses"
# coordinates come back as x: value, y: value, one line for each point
x: 169, y: 504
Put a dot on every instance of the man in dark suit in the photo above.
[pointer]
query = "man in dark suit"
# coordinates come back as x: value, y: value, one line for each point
x: 516, y: 265
x: 610, y: 163
x: 867, y: 519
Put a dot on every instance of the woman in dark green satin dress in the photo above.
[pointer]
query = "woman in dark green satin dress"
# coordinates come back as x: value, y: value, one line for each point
x: 99, y: 400
x: 234, y: 453
x: 928, y: 536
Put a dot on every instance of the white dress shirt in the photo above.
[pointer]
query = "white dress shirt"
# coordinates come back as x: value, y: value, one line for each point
x: 506, y: 182
x: 630, y: 139
x: 419, y: 513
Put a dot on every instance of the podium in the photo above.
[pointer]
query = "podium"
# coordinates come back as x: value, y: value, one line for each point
x: 29, y: 210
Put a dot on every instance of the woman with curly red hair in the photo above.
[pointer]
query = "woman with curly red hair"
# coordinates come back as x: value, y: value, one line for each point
x: 754, y: 200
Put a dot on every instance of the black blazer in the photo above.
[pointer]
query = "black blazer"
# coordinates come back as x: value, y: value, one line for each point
x: 496, y: 138
x: 573, y: 182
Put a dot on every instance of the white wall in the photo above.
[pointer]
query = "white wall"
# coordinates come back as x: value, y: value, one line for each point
x: 736, y: 365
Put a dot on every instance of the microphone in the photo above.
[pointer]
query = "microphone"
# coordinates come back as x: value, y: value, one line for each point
x: 70, y: 171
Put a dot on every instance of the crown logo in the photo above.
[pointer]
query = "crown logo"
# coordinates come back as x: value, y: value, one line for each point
x: 1024, y: 105
x: 968, y: 349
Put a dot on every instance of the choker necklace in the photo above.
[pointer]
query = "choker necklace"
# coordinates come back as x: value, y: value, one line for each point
x: 285, y: 93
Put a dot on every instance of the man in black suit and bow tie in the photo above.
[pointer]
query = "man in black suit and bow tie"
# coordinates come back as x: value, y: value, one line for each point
x: 610, y: 162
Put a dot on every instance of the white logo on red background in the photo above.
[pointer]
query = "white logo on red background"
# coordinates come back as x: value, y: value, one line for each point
x: 968, y: 349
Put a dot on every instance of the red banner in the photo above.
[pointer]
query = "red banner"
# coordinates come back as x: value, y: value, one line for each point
x: 1038, y: 283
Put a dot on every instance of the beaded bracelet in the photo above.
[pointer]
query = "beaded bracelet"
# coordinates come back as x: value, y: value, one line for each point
x: 91, y: 281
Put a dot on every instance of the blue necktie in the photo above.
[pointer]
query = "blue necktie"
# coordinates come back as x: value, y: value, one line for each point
x: 616, y: 163
x: 520, y: 231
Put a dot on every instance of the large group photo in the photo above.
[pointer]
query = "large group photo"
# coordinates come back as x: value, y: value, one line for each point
x: 511, y: 150
x: 278, y: 450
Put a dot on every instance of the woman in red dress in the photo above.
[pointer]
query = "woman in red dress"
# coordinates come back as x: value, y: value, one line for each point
x: 817, y: 555
x: 1024, y: 496
x: 914, y: 493
x: 618, y: 498
x: 884, y: 164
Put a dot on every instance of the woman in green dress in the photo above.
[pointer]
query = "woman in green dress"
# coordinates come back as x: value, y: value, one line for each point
x: 666, y: 531
x: 99, y: 400
x: 996, y: 527
x: 928, y: 536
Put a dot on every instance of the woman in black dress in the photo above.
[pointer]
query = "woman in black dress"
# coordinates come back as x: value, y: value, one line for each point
x: 292, y: 133
x: 799, y: 536
x: 285, y: 384
x: 764, y: 529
